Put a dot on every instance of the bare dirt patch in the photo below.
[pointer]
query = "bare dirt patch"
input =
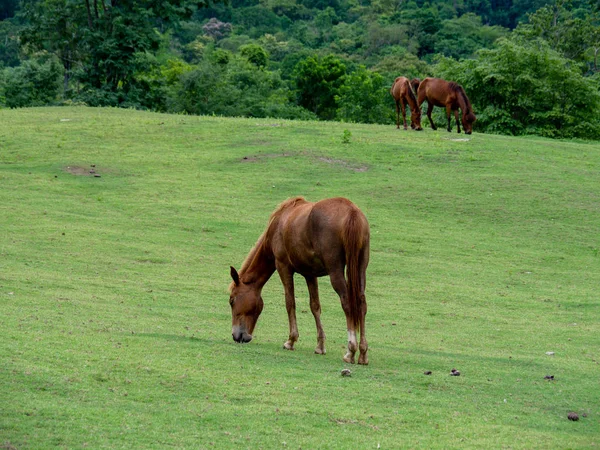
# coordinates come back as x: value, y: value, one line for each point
x: 256, y: 158
x: 345, y: 164
x: 83, y: 171
x: 334, y: 162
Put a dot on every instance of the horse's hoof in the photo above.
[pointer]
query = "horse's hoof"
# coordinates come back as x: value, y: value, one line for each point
x: 320, y: 351
x: 288, y: 346
x: 363, y: 360
x: 349, y: 359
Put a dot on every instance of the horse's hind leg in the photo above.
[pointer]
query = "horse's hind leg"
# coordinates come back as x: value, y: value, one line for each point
x: 287, y: 279
x: 363, y: 346
x: 448, y: 117
x: 397, y: 114
x: 339, y: 285
x: 315, y: 307
x: 403, y: 104
x: 429, y: 111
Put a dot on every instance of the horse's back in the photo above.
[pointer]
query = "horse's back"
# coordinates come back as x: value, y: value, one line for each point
x: 436, y: 91
x: 336, y: 224
x: 332, y: 214
x: 312, y: 235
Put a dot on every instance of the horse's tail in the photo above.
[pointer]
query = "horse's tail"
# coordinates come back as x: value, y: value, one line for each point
x: 356, y: 240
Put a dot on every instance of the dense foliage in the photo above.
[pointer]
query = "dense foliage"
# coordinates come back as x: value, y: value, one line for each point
x: 529, y: 66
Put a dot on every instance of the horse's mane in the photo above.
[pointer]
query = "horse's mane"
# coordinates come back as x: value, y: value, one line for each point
x: 411, y: 92
x: 460, y: 91
x: 263, y: 240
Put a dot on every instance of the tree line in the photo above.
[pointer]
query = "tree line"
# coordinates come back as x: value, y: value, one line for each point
x: 528, y: 66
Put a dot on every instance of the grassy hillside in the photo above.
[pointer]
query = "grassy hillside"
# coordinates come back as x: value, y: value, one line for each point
x: 113, y: 288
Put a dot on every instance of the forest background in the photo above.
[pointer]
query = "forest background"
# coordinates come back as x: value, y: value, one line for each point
x: 528, y: 66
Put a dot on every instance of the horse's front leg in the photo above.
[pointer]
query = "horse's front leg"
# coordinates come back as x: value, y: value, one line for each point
x: 315, y: 307
x: 429, y: 110
x: 339, y: 285
x: 457, y: 121
x: 287, y: 279
x: 398, y: 114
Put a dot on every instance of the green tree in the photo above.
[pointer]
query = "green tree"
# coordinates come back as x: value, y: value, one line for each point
x: 56, y: 27
x: 317, y: 82
x: 103, y: 40
x: 461, y: 37
x: 423, y: 24
x: 562, y: 27
x: 236, y: 89
x: 33, y: 83
x: 527, y: 88
x: 255, y: 54
x: 9, y: 43
x: 364, y: 97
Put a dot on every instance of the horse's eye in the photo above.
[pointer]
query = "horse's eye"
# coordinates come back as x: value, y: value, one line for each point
x: 231, y: 299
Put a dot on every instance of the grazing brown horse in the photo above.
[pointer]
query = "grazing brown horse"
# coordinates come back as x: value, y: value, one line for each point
x: 314, y: 240
x: 450, y: 95
x: 403, y: 94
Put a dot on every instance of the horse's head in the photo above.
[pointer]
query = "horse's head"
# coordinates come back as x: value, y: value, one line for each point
x: 467, y: 121
x: 246, y: 305
x: 415, y: 119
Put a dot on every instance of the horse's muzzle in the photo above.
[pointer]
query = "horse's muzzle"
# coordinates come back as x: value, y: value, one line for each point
x: 241, y: 337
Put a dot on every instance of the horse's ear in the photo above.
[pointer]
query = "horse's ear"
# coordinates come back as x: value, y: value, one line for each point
x: 234, y: 275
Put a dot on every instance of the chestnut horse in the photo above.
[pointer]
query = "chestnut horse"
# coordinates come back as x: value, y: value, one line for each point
x: 314, y: 240
x: 450, y: 95
x: 403, y: 94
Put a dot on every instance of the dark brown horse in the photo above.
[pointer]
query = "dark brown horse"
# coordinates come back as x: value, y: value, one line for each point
x: 403, y: 94
x: 314, y: 240
x: 450, y: 95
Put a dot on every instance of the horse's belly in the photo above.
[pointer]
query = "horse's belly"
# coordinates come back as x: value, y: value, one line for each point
x: 307, y: 262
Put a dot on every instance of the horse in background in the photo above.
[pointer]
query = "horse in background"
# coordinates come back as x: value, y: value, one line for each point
x: 404, y: 94
x: 450, y: 95
x: 314, y: 240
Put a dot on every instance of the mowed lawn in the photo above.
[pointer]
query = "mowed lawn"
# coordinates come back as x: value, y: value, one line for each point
x: 114, y: 315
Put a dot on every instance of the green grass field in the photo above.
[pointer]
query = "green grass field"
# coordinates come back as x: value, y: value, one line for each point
x: 485, y: 255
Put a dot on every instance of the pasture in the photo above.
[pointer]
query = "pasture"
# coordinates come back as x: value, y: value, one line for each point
x: 116, y: 327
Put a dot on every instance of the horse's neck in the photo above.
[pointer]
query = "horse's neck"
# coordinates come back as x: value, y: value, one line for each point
x: 462, y: 103
x: 411, y: 98
x: 260, y: 265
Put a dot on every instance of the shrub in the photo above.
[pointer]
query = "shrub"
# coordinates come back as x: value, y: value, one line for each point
x: 33, y: 83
